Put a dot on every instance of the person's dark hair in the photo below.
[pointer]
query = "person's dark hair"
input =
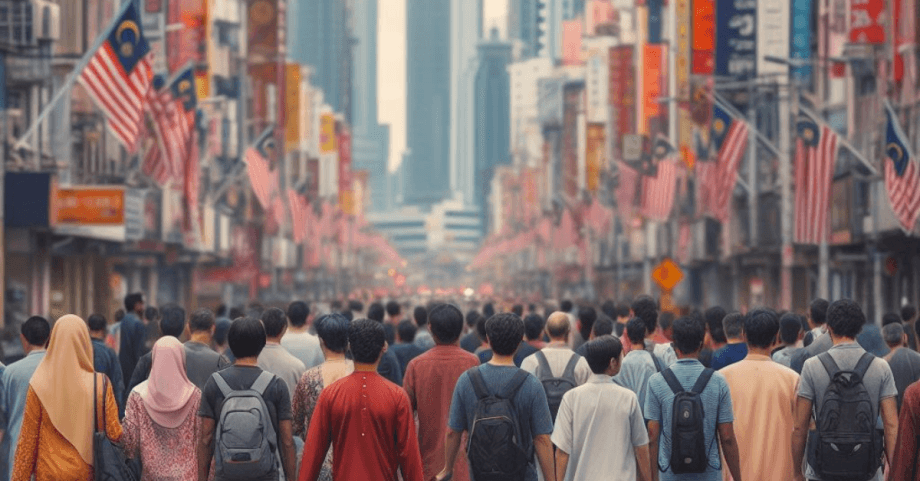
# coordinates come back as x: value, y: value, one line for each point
x: 355, y: 305
x: 332, y: 329
x: 636, y: 331
x: 173, y: 321
x: 131, y: 300
x: 236, y: 313
x: 366, y: 339
x: 645, y: 308
x: 665, y: 320
x: 298, y: 312
x: 347, y: 314
x: 601, y: 351
x: 445, y: 321
x: 275, y: 321
x: 152, y: 314
x: 890, y: 318
x: 375, y: 312
x: 760, y: 327
x: 37, y: 330
x: 406, y: 331
x: 688, y: 335
x: 908, y: 312
x: 818, y: 311
x: 505, y: 332
x: 256, y: 307
x: 733, y: 325
x: 609, y: 309
x: 488, y: 310
x: 202, y: 320
x: 472, y: 317
x: 532, y: 308
x: 393, y: 309
x: 533, y: 326
x: 713, y: 317
x: 481, y: 328
x: 420, y: 314
x: 587, y: 315
x: 221, y: 310
x: 623, y: 310
x: 518, y: 310
x: 845, y: 318
x: 246, y: 337
x: 95, y: 323
x: 790, y: 325
x: 566, y: 306
x: 893, y: 334
x: 335, y: 305
x: 221, y: 329
x: 602, y: 326
x: 119, y: 315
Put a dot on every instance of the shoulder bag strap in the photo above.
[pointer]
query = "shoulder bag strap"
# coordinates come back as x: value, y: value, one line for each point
x: 479, y: 384
x: 863, y: 365
x: 262, y: 382
x: 221, y: 384
x: 702, y: 381
x: 514, y: 384
x: 570, y: 367
x: 95, y: 404
x: 829, y: 364
x: 543, y: 364
x: 672, y: 381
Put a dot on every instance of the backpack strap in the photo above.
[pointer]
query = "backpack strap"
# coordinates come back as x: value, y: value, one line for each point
x: 514, y: 384
x: 221, y: 384
x: 543, y: 364
x: 479, y: 384
x: 262, y: 382
x: 829, y: 364
x: 863, y: 365
x: 672, y: 381
x: 656, y: 361
x: 703, y: 380
x: 570, y: 367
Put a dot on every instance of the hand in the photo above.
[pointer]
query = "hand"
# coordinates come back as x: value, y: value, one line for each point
x: 444, y: 475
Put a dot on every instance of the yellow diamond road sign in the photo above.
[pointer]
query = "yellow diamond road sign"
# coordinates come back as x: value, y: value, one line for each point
x: 667, y: 274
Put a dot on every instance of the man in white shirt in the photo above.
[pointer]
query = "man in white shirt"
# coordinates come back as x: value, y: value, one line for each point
x: 297, y: 340
x: 599, y: 432
x: 557, y: 352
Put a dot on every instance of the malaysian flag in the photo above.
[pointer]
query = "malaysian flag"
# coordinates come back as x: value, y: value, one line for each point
x: 730, y: 136
x: 902, y: 178
x: 299, y: 209
x: 161, y: 163
x: 815, y: 156
x: 264, y: 181
x: 626, y: 191
x: 118, y: 77
x: 658, y: 192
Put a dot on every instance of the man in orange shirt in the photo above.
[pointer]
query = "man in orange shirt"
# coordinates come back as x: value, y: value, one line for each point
x: 763, y: 399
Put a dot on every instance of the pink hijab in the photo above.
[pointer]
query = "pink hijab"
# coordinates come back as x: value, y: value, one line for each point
x: 167, y: 393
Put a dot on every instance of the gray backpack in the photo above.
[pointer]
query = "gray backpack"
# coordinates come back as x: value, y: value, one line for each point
x: 246, y: 440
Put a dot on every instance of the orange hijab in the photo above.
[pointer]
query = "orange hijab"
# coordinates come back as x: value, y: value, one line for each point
x: 63, y: 383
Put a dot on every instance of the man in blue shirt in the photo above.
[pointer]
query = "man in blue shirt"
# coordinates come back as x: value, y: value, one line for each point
x: 717, y: 409
x: 106, y: 361
x: 736, y: 349
x: 133, y: 334
x: 34, y: 335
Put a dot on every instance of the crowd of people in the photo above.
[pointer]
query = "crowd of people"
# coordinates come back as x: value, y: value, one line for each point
x: 564, y: 393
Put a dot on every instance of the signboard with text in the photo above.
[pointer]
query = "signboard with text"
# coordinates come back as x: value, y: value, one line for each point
x: 736, y: 39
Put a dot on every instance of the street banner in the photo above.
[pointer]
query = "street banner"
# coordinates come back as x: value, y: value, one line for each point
x: 185, y: 44
x: 736, y: 39
x: 703, y: 33
x: 327, y: 138
x: 594, y: 158
x: 346, y: 199
x: 801, y: 38
x: 867, y: 21
x: 654, y: 73
x: 772, y: 36
x: 623, y: 89
x: 654, y: 21
x: 292, y: 100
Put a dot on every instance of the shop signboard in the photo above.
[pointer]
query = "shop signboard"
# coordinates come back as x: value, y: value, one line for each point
x: 736, y: 39
x: 89, y: 211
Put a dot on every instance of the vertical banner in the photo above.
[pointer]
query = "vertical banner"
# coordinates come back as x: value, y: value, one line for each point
x: 682, y: 75
x: 346, y: 196
x: 703, y: 36
x: 654, y: 74
x: 837, y: 33
x: 571, y: 42
x: 572, y: 96
x: 292, y: 101
x: 327, y: 140
x: 623, y: 89
x: 867, y: 21
x: 594, y: 158
x: 736, y: 39
x: 801, y: 38
x: 186, y: 44
x: 654, y: 21
x: 772, y: 36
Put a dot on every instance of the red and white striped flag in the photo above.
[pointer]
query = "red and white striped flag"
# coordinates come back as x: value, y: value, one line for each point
x: 815, y: 157
x: 626, y: 192
x: 299, y: 209
x: 902, y: 178
x: 723, y: 183
x: 264, y: 181
x: 658, y: 192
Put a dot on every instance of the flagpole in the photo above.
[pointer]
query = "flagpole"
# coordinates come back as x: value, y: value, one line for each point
x: 842, y: 141
x: 72, y: 77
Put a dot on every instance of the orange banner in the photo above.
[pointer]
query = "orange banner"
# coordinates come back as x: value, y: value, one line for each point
x: 88, y: 206
x: 292, y: 105
x: 653, y: 75
x: 594, y: 156
x: 327, y: 143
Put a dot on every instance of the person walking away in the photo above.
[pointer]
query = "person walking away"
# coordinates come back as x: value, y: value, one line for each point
x: 585, y: 321
x: 405, y: 348
x: 235, y: 403
x: 332, y: 330
x: 736, y: 349
x: 599, y: 432
x: 429, y: 382
x: 903, y: 361
x: 152, y: 327
x: 639, y: 365
x: 33, y: 334
x: 505, y: 412
x: 389, y: 365
x: 471, y: 341
x: 909, y: 319
x: 665, y: 351
x: 715, y: 334
x: 905, y: 464
x: 298, y: 340
x: 840, y: 388
x: 56, y: 439
x: 423, y: 337
x: 534, y: 326
x: 113, y: 336
x: 363, y: 413
x: 161, y: 423
x: 394, y: 317
x: 819, y: 340
x: 105, y: 360
x: 274, y: 358
x: 132, y: 335
x: 763, y: 398
x: 557, y: 367
x: 700, y: 396
x: 790, y: 333
x: 603, y: 326
x: 870, y: 336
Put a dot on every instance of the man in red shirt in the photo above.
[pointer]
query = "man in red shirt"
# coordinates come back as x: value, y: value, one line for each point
x: 367, y: 419
x: 430, y: 380
x: 905, y: 464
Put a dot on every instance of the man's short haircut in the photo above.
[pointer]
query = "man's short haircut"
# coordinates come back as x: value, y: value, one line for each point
x: 347, y: 314
x: 818, y: 311
x: 601, y: 351
x: 406, y: 331
x: 845, y: 318
x: 488, y: 310
x: 609, y: 309
x: 602, y: 326
x: 275, y: 321
x: 636, y: 331
x: 335, y: 305
x: 688, y: 335
x: 355, y: 305
x: 37, y: 330
x: 481, y: 328
x: 119, y: 315
x: 173, y: 321
x: 236, y: 313
x: 132, y: 300
x: 587, y: 315
x: 893, y: 334
x: 890, y: 318
x: 95, y: 323
x: 393, y: 309
x: 533, y: 326
x: 420, y: 314
x: 202, y: 320
x: 366, y: 338
x: 152, y: 314
x: 518, y: 310
x: 790, y: 325
x: 298, y: 312
x: 472, y: 317
x: 246, y: 337
x: 566, y: 306
x: 221, y: 310
x: 908, y: 313
x: 646, y: 309
x: 760, y: 327
x: 445, y: 321
x: 733, y: 325
x: 505, y: 332
x: 623, y: 310
x: 714, y: 316
x: 665, y: 320
x: 375, y: 312
x: 221, y: 329
x: 333, y: 330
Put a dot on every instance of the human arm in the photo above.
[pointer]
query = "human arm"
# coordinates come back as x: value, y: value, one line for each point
x: 407, y: 450
x: 288, y: 452
x: 141, y: 372
x: 27, y: 449
x: 451, y: 450
x: 544, y: 449
x: 889, y: 411
x: 730, y: 449
x: 643, y: 465
x: 801, y: 419
x: 299, y: 408
x: 562, y: 463
x: 905, y: 452
x: 654, y: 430
x: 205, y: 446
x: 118, y: 385
x: 317, y: 443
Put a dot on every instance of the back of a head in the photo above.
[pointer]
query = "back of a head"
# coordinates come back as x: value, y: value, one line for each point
x: 221, y: 311
x: 420, y: 314
x: 472, y: 317
x: 335, y: 305
x: 688, y: 335
x: 366, y: 338
x: 131, y: 300
x: 760, y: 328
x: 481, y: 328
x: 221, y: 330
x: 355, y: 306
x: 393, y: 309
x: 95, y: 323
x: 566, y: 306
x: 587, y: 315
x: 172, y: 322
x: 622, y: 310
x: 645, y: 308
x: 893, y: 334
x: 818, y: 311
x: 636, y: 331
x: 347, y: 314
x: 246, y: 337
x: 533, y: 326
x: 255, y: 309
x: 890, y: 318
x: 445, y: 321
x: 733, y: 325
x: 275, y: 321
x: 518, y: 310
x: 488, y: 310
x: 406, y: 331
x: 609, y: 309
x: 601, y: 351
x: 375, y: 312
x: 202, y: 320
x: 713, y: 317
x: 845, y: 318
x: 603, y: 326
x: 558, y: 326
x: 665, y: 320
x: 37, y: 330
x: 790, y: 325
x: 236, y: 313
x: 298, y: 312
x: 332, y: 329
x: 505, y: 332
x: 908, y: 313
x: 152, y: 314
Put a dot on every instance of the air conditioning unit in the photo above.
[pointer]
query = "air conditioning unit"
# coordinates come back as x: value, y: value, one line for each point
x: 46, y: 18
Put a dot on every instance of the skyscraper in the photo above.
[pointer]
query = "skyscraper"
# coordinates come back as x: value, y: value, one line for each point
x: 522, y: 26
x: 465, y: 33
x: 319, y: 35
x: 537, y: 25
x: 493, y: 121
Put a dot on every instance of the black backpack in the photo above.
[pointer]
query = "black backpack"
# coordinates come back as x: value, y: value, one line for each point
x: 556, y: 387
x: 848, y: 446
x: 688, y: 440
x: 494, y: 447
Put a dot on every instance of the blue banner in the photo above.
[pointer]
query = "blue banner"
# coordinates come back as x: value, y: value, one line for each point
x: 654, y: 21
x: 800, y: 45
x: 736, y: 38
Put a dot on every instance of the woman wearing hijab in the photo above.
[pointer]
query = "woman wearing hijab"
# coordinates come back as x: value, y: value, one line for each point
x: 160, y: 421
x: 56, y: 441
x: 332, y: 330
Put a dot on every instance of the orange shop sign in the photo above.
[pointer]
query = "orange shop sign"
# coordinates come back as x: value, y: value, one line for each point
x: 88, y: 206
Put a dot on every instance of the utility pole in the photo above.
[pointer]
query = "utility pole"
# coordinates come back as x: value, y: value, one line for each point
x: 753, y: 191
x: 785, y: 184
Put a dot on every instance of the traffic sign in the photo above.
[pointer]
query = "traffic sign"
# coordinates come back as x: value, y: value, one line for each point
x: 667, y: 274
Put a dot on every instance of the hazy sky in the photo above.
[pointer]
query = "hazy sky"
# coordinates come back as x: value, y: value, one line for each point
x: 391, y: 65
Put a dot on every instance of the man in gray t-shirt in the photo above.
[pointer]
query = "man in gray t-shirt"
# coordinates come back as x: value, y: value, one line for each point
x: 844, y: 322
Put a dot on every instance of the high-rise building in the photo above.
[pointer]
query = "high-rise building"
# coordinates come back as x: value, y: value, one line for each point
x: 493, y: 116
x: 465, y: 33
x: 319, y: 35
x: 536, y: 25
